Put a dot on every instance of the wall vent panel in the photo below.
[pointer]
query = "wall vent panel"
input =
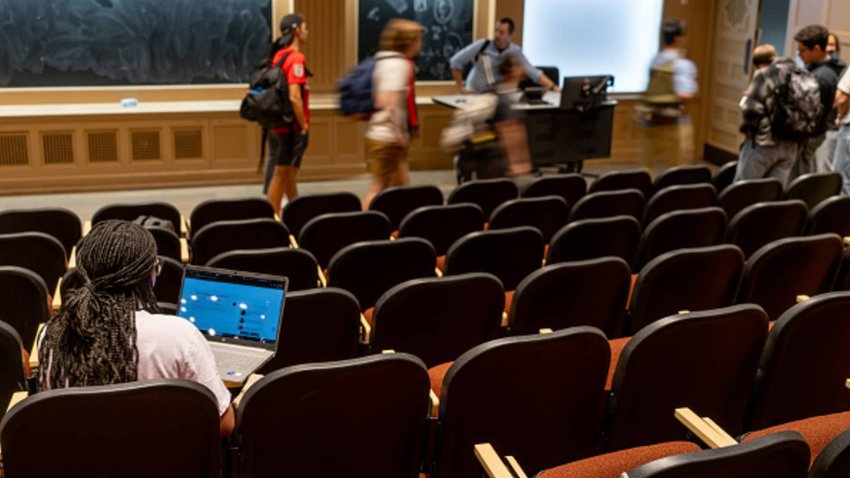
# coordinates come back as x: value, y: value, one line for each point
x: 58, y: 147
x: 145, y: 145
x: 13, y: 149
x: 188, y: 144
x: 103, y: 146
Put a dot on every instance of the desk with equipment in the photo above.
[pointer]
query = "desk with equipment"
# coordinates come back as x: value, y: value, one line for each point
x: 564, y: 129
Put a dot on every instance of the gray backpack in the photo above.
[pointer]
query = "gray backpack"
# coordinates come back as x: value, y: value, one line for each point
x: 798, y: 110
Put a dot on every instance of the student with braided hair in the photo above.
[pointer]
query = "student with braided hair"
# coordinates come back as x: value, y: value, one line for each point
x: 109, y: 330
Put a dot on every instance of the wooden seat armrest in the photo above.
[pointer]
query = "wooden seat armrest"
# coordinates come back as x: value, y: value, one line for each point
x: 365, y: 330
x: 490, y: 462
x: 184, y: 250
x: 17, y: 397
x: 505, y: 319
x: 846, y: 240
x: 183, y: 230
x: 435, y: 403
x: 438, y: 272
x: 322, y: 279
x: 545, y: 331
x: 252, y: 379
x: 847, y: 383
x: 34, y: 353
x: 72, y: 259
x: 293, y: 243
x: 518, y: 472
x: 706, y: 430
x: 57, y: 298
x: 86, y: 228
x: 277, y: 217
x: 802, y: 298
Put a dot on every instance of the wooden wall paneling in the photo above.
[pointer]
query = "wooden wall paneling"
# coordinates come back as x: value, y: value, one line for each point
x: 325, y: 48
x: 514, y: 9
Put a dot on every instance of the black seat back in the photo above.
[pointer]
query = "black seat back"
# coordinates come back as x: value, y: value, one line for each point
x: 370, y: 268
x: 571, y: 187
x: 509, y: 254
x: 23, y: 302
x: 831, y: 215
x: 724, y: 176
x: 814, y: 188
x: 442, y: 225
x: 486, y: 193
x: 592, y: 238
x: 37, y: 252
x: 62, y: 224
x: 167, y: 242
x: 397, y: 202
x: 134, y: 437
x: 784, y: 269
x: 616, y: 180
x: 743, y: 194
x: 327, y: 234
x: 215, y: 210
x: 680, y: 229
x: 592, y: 293
x: 679, y: 175
x: 439, y: 319
x: 834, y: 460
x: 225, y: 236
x: 293, y: 420
x: 319, y: 325
x: 297, y: 264
x: 762, y: 223
x: 540, y: 429
x: 604, y: 204
x: 685, y: 279
x: 679, y: 198
x: 707, y: 360
x: 12, y: 378
x: 547, y: 214
x: 130, y: 212
x: 301, y: 210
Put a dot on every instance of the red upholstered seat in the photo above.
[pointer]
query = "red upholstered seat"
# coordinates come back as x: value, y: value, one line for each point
x: 441, y: 262
x: 436, y: 374
x: 611, y: 465
x: 817, y: 431
x: 617, y: 346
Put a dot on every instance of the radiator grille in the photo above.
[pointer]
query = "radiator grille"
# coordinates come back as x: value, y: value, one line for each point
x: 188, y: 144
x: 58, y: 147
x: 145, y: 145
x: 103, y: 146
x: 13, y: 149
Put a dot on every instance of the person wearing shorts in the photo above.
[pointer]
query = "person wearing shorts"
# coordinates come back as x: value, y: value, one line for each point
x: 287, y: 144
x: 390, y: 127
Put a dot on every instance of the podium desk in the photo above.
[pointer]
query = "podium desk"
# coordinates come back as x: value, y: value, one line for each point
x: 557, y: 136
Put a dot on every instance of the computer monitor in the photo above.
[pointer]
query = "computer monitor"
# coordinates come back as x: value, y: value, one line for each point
x: 585, y: 92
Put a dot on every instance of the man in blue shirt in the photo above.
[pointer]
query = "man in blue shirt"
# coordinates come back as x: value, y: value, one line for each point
x: 486, y: 56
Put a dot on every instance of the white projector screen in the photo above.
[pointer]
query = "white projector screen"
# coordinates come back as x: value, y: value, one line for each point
x: 594, y: 37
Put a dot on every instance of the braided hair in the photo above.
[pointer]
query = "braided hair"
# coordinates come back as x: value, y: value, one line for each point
x: 92, y: 339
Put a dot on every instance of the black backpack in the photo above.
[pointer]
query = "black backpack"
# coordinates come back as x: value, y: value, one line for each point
x: 267, y: 101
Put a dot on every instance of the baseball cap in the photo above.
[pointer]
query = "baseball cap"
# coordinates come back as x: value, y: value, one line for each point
x: 288, y: 26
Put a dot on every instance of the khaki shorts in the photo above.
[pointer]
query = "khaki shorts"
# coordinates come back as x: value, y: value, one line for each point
x: 385, y: 157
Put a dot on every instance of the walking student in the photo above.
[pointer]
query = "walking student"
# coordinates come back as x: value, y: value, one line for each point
x: 394, y: 121
x: 288, y: 143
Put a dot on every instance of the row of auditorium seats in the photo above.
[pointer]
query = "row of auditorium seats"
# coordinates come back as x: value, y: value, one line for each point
x: 540, y: 398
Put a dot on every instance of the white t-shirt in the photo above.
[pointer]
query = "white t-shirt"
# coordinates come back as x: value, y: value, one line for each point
x: 844, y: 86
x: 391, y: 74
x: 171, y: 347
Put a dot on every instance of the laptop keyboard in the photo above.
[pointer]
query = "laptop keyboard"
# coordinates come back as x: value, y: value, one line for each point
x: 235, y: 360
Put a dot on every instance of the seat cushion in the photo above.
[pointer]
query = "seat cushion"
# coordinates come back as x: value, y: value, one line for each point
x: 436, y: 374
x: 817, y: 431
x: 611, y: 465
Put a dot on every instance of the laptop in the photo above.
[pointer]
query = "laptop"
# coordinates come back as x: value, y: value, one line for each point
x: 239, y: 313
x: 533, y: 95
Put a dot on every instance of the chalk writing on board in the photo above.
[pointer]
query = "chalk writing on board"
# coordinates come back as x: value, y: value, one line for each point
x: 115, y: 42
x: 447, y: 24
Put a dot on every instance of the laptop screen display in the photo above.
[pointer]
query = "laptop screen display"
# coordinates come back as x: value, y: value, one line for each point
x: 223, y: 305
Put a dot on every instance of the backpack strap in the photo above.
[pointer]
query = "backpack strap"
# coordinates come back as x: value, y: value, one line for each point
x: 481, y: 51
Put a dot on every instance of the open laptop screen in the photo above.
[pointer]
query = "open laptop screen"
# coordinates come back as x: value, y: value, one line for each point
x: 233, y: 305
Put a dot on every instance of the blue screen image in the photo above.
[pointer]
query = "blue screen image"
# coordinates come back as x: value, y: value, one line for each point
x: 224, y: 309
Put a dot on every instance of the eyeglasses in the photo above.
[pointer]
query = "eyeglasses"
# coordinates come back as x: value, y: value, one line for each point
x: 158, y: 266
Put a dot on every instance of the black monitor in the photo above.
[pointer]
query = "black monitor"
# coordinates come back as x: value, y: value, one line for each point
x: 585, y: 92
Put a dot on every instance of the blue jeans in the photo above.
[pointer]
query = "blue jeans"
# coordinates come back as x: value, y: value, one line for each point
x: 757, y: 162
x: 841, y: 160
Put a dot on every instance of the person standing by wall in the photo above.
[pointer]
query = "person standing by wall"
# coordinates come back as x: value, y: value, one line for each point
x: 392, y: 125
x: 485, y: 57
x: 811, y: 46
x: 841, y: 161
x: 288, y: 144
x: 666, y: 132
x: 763, y: 154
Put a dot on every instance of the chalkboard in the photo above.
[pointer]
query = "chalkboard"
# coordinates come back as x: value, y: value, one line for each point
x: 448, y: 28
x: 131, y: 42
